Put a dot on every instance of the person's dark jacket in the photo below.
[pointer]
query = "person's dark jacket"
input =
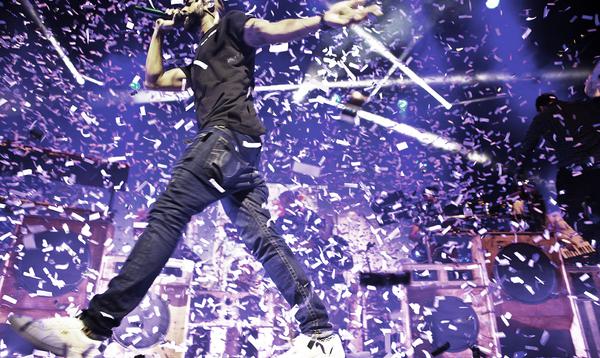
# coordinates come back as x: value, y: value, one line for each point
x: 570, y: 129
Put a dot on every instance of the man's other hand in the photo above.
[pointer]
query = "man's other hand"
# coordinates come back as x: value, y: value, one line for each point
x: 518, y: 208
x: 349, y: 12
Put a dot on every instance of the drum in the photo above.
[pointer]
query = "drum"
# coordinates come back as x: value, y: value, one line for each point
x: 525, y: 273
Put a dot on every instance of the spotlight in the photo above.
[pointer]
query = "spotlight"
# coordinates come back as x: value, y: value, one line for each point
x: 136, y: 86
x: 61, y: 53
x: 380, y: 48
x: 353, y: 104
x: 151, y: 96
x: 402, y: 105
x: 492, y: 4
x: 302, y: 92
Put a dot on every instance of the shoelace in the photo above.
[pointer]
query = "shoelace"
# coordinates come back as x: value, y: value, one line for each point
x: 319, y: 343
x: 91, y: 335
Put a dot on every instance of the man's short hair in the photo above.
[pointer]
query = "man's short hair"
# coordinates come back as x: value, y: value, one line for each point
x: 219, y: 6
x: 545, y: 100
x: 592, y: 84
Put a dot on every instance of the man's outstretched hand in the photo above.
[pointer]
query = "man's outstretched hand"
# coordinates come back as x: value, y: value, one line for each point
x: 349, y: 12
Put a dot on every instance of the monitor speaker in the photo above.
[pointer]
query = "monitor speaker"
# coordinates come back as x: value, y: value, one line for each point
x: 158, y: 326
x: 448, y: 310
x: 530, y: 288
x: 53, y: 266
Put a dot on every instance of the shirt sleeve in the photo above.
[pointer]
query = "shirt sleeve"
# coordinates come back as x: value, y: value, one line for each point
x: 536, y: 131
x: 236, y: 20
x: 188, y: 73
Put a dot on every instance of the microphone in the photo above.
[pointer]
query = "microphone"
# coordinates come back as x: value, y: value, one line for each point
x: 153, y: 12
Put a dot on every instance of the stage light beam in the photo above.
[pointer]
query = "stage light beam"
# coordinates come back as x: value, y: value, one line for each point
x: 152, y: 96
x: 380, y: 48
x: 78, y: 77
x: 426, y: 138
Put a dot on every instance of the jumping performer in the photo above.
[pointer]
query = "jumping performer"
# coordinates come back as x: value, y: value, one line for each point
x: 220, y: 165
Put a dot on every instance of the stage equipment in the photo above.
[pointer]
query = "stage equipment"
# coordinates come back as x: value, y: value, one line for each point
x: 381, y: 279
x: 574, y: 244
x: 54, y: 264
x: 354, y: 103
x: 158, y: 326
x: 21, y: 160
x: 584, y: 284
x: 525, y: 273
x: 448, y: 303
x: 381, y: 323
x: 25, y: 160
x: 580, y: 249
x: 532, y: 290
x: 422, y: 136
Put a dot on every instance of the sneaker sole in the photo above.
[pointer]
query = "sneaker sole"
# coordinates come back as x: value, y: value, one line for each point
x: 63, y: 351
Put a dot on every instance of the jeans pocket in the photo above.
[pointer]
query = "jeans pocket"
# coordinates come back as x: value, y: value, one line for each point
x: 224, y: 162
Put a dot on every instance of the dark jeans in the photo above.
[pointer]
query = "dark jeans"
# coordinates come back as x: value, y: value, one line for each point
x: 220, y: 154
x: 579, y: 197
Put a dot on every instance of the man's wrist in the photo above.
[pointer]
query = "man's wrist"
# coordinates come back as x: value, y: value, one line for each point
x: 159, y: 32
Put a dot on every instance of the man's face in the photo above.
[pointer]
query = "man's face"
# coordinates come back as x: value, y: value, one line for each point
x: 591, y: 86
x: 592, y: 83
x: 195, y: 10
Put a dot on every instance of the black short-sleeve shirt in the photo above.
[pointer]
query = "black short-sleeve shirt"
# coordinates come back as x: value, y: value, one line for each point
x: 222, y: 77
x: 571, y: 129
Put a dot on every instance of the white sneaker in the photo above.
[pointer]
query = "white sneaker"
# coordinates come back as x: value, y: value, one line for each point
x: 307, y: 347
x: 62, y: 336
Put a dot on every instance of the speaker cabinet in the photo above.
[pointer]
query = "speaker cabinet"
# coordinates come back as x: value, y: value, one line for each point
x: 53, y: 266
x: 585, y: 287
x: 531, y: 292
x: 448, y: 308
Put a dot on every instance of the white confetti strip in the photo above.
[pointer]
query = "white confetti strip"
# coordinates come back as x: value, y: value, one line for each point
x: 200, y: 64
x: 9, y: 299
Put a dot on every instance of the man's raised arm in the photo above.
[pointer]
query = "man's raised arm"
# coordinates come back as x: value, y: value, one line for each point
x: 259, y: 32
x: 156, y: 77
